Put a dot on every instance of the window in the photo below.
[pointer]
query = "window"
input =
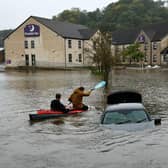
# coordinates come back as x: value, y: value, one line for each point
x: 79, y: 44
x: 123, y: 59
x: 117, y: 49
x: 165, y: 58
x: 94, y: 45
x: 26, y: 44
x: 146, y: 59
x: 27, y: 59
x: 32, y: 44
x: 125, y: 116
x: 33, y: 57
x: 154, y: 46
x: 146, y: 46
x: 154, y: 58
x: 70, y: 57
x: 69, y: 44
x: 80, y: 57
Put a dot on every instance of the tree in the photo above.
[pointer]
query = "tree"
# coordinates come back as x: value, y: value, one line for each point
x: 91, y: 19
x: 132, y: 13
x: 72, y: 15
x: 122, y: 14
x: 101, y: 54
x: 133, y: 52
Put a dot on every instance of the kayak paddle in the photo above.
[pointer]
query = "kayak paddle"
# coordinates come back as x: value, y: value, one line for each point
x: 99, y: 85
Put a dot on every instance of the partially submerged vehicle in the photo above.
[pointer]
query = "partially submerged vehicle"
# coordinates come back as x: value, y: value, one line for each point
x: 126, y: 107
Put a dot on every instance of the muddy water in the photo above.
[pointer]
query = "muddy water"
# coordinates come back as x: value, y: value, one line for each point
x: 79, y: 141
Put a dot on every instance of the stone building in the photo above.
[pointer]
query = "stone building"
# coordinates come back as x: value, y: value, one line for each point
x: 153, y: 40
x: 41, y: 42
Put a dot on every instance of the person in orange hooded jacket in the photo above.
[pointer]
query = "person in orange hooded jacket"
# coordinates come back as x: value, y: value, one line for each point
x: 76, y: 98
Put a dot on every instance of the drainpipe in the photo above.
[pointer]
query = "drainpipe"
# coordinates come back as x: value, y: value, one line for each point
x: 160, y: 53
x: 65, y: 52
x: 83, y: 50
x: 151, y: 53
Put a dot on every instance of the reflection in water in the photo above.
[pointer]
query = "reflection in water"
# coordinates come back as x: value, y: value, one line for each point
x: 79, y: 141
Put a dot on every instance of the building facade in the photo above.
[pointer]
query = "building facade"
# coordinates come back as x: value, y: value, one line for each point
x: 153, y: 41
x: 41, y: 42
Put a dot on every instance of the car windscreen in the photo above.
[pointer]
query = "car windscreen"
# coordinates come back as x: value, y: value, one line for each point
x: 125, y: 116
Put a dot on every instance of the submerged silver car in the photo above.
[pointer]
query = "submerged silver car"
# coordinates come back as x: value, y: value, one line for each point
x: 125, y: 113
x: 125, y: 107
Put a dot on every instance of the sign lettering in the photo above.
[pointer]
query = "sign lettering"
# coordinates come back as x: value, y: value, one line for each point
x: 32, y: 30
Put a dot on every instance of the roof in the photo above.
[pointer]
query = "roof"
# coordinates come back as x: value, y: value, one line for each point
x: 1, y: 42
x: 164, y: 51
x: 64, y: 29
x: 155, y: 32
x: 3, y: 34
x: 125, y: 36
x: 124, y: 106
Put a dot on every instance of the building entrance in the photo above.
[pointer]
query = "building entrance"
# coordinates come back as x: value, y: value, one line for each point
x: 27, y: 60
x: 33, y: 58
x: 30, y: 61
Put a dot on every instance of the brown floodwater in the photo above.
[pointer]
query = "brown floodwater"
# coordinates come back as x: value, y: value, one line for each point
x: 79, y: 141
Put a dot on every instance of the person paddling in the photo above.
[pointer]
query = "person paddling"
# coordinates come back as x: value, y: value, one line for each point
x: 56, y: 104
x: 76, y: 98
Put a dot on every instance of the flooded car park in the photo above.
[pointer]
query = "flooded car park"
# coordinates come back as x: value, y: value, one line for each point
x: 79, y: 141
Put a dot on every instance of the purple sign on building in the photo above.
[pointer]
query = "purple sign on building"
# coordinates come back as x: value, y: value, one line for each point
x: 141, y: 39
x: 31, y: 30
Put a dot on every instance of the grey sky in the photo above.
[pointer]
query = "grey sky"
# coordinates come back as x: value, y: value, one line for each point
x: 14, y: 12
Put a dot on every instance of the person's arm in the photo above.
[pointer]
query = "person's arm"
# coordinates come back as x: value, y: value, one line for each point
x: 86, y: 93
x: 63, y: 108
x: 52, y: 105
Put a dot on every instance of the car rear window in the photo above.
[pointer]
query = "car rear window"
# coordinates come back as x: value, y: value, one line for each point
x: 125, y: 116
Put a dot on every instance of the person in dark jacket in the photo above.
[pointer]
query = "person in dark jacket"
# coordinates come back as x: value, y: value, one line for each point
x: 76, y: 98
x: 56, y: 104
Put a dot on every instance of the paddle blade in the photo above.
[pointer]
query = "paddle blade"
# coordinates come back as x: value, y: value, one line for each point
x: 100, y: 85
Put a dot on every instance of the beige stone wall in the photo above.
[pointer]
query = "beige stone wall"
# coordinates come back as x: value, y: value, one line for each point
x: 49, y: 47
x: 14, y: 48
x: 74, y: 51
x: 89, y: 50
x: 163, y: 45
x: 156, y: 53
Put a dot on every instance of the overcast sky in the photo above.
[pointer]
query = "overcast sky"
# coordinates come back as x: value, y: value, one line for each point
x: 14, y: 12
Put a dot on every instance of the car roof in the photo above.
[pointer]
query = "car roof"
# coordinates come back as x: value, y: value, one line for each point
x: 124, y: 96
x: 124, y: 106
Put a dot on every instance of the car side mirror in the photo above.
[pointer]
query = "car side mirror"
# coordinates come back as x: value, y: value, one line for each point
x: 157, y: 121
